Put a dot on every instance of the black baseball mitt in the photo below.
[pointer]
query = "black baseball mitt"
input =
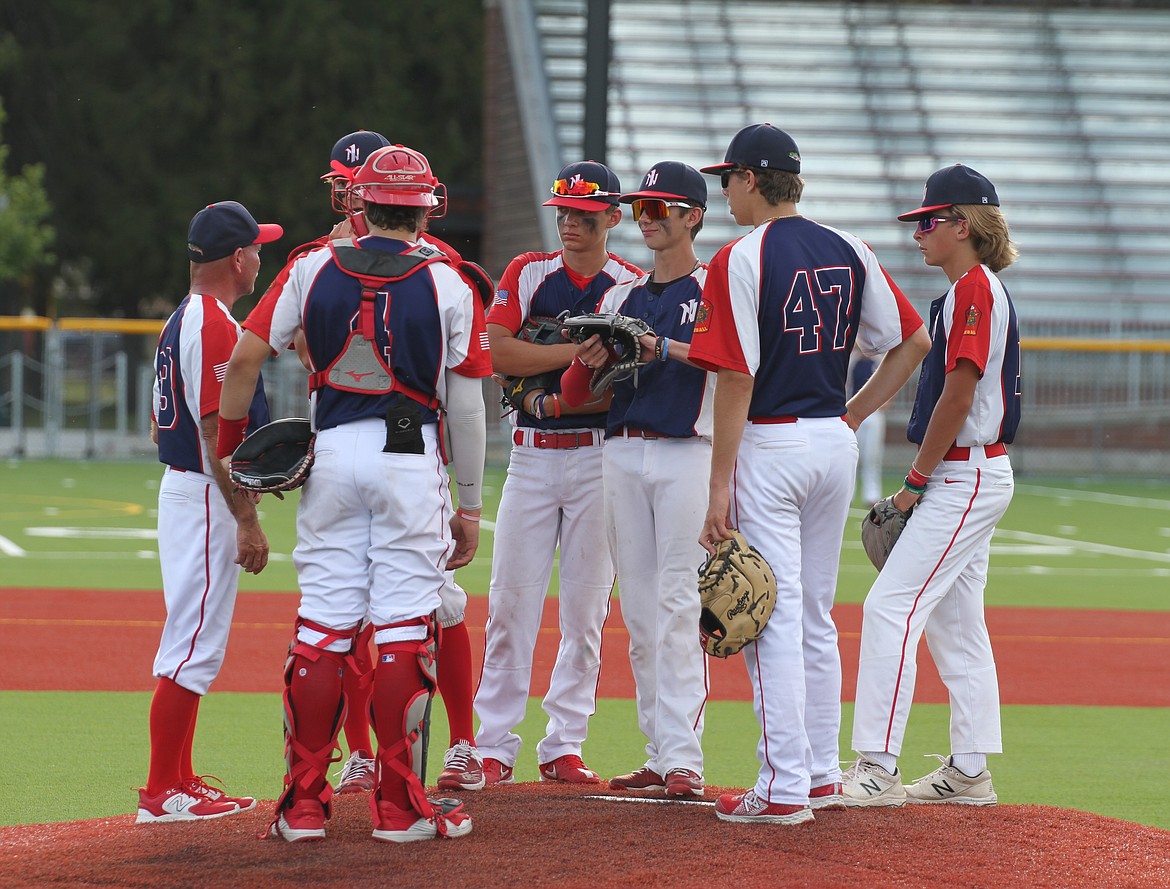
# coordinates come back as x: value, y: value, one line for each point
x: 620, y: 334
x: 737, y: 590
x: 881, y: 528
x: 542, y: 332
x: 276, y: 457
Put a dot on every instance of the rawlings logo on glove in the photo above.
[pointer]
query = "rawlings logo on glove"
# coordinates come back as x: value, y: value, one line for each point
x: 737, y: 591
x: 620, y: 334
x: 276, y: 457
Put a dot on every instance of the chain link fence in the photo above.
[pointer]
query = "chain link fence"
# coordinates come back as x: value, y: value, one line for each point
x: 1096, y: 403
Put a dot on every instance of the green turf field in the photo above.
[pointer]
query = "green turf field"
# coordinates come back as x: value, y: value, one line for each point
x: 89, y: 525
x: 1069, y: 545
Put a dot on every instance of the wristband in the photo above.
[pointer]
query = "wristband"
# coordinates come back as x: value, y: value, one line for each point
x: 231, y: 433
x: 918, y: 490
x: 466, y: 516
x: 916, y: 478
x: 556, y: 406
x: 538, y: 407
x: 664, y: 352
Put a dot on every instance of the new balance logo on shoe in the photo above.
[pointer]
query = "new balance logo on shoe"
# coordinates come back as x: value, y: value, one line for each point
x: 947, y: 784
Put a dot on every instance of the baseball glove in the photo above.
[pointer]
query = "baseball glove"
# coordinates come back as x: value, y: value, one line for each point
x: 737, y: 591
x: 480, y: 281
x: 620, y: 335
x: 881, y: 529
x: 542, y: 332
x: 276, y: 457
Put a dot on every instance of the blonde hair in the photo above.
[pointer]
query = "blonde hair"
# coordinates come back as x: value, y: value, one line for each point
x: 990, y: 235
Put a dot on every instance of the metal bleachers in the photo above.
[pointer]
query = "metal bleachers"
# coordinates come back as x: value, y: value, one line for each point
x: 1066, y: 110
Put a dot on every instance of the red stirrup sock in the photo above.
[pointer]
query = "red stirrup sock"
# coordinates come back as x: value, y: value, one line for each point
x: 357, y: 717
x: 172, y: 723
x: 455, y: 680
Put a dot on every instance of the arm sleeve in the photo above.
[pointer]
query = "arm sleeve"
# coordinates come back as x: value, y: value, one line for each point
x: 575, y: 384
x: 466, y: 425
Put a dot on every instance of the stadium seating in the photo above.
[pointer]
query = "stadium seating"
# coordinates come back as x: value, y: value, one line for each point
x: 1066, y: 110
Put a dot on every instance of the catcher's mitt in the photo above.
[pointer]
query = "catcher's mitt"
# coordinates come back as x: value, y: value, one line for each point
x: 881, y: 529
x: 737, y: 590
x: 542, y: 332
x: 620, y: 334
x: 480, y: 281
x: 276, y: 457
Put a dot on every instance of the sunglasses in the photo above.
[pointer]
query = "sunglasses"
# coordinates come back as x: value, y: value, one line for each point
x: 725, y: 176
x: 579, y: 188
x: 928, y: 224
x: 655, y: 209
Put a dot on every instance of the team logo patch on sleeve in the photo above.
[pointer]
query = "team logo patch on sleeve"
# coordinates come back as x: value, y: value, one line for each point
x: 703, y: 317
x: 971, y: 328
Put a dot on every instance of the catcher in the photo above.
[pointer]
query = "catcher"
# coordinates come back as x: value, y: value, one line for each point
x: 655, y: 463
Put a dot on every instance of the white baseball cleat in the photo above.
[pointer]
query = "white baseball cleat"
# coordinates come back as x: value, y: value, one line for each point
x: 947, y: 784
x: 865, y: 783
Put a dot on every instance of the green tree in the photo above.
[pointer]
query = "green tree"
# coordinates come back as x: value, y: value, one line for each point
x: 144, y: 112
x: 25, y: 235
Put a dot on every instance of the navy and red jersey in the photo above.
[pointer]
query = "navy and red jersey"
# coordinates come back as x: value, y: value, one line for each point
x: 975, y: 320
x: 786, y: 303
x: 427, y: 322
x: 189, y: 365
x: 670, y: 398
x: 538, y: 285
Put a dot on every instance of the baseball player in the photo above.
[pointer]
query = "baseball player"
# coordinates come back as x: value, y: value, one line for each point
x: 205, y: 532
x: 396, y: 341
x: 655, y: 462
x: 960, y: 484
x: 462, y: 764
x: 782, y: 309
x: 552, y: 494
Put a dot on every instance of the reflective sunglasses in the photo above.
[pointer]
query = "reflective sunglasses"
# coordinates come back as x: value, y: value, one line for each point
x: 654, y: 208
x: 928, y: 224
x: 579, y: 188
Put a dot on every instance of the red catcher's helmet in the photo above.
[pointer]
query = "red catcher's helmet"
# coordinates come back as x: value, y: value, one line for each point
x: 398, y: 175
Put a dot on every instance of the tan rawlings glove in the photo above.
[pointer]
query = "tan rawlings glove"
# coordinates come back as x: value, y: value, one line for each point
x: 737, y: 591
x: 881, y: 528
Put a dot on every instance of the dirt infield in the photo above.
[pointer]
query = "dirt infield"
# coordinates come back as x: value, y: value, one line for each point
x: 1106, y: 658
x: 544, y: 835
x: 551, y: 835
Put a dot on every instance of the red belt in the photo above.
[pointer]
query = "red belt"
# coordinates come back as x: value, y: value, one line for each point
x: 556, y: 440
x: 767, y: 421
x: 631, y: 432
x: 992, y: 450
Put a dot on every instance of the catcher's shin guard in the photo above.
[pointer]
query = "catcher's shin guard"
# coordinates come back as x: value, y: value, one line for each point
x: 314, y: 710
x: 400, y: 708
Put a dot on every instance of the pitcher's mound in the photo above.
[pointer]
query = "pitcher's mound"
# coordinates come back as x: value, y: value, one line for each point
x: 554, y: 835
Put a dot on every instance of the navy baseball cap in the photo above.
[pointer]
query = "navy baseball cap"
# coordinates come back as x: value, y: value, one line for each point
x: 586, y: 185
x: 222, y: 228
x: 350, y: 152
x: 671, y: 181
x: 760, y: 145
x: 950, y: 186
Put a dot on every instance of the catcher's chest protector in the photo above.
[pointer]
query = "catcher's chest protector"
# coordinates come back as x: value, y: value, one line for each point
x: 360, y: 367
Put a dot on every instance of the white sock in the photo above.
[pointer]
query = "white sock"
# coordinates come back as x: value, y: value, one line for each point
x: 887, y: 761
x: 970, y: 764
